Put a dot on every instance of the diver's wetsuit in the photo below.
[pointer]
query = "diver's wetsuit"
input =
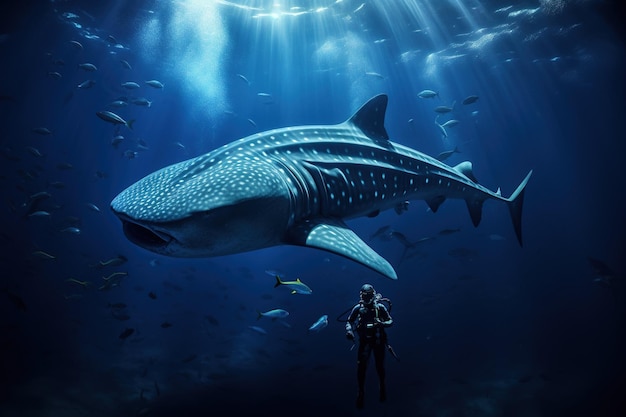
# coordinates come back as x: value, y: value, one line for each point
x: 371, y: 320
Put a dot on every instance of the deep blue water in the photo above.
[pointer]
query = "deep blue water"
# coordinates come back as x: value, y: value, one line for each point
x: 482, y: 326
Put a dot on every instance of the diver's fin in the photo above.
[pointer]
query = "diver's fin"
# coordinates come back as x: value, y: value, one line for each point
x: 334, y: 236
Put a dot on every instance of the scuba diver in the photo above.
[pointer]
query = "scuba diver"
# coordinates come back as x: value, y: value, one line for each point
x: 369, y: 318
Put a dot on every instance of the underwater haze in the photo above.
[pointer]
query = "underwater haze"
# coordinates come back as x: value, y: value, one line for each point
x: 95, y: 96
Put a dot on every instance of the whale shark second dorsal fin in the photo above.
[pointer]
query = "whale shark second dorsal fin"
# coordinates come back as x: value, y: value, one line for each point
x: 370, y: 118
x: 465, y: 168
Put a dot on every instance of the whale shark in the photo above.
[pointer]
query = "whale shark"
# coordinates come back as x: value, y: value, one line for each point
x: 296, y: 186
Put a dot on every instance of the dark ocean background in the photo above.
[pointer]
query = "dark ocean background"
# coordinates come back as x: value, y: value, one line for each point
x: 482, y: 326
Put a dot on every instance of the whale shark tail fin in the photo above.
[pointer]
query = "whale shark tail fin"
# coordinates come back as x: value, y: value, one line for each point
x: 515, y: 203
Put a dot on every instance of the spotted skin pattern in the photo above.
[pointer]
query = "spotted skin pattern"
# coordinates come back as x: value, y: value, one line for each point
x: 295, y: 185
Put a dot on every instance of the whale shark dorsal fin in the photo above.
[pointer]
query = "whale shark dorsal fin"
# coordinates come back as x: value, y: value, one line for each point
x: 334, y: 236
x: 465, y: 168
x: 370, y: 118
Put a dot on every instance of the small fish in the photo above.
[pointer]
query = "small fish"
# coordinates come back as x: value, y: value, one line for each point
x: 54, y: 75
x: 73, y: 296
x: 117, y: 261
x: 470, y: 99
x: 130, y: 154
x: 374, y: 74
x: 73, y: 230
x: 64, y: 166
x: 141, y: 101
x: 400, y: 237
x: 127, y: 332
x: 442, y: 129
x: 427, y: 94
x: 125, y: 64
x: 320, y: 324
x: 273, y: 272
x: 155, y: 84
x: 41, y: 195
x: 297, y: 286
x: 43, y: 255
x: 152, y: 295
x: 264, y: 95
x: 383, y: 232
x: 87, y: 67
x: 243, y: 78
x: 34, y: 151
x: 111, y: 117
x: 76, y: 44
x: 444, y: 109
x: 93, y: 207
x: 117, y: 140
x: 118, y: 103
x: 130, y: 85
x: 114, y: 275
x: 39, y: 213
x: 86, y: 84
x: 42, y: 130
x: 142, y: 145
x: 451, y: 123
x: 252, y: 122
x: 447, y: 154
x: 258, y: 329
x: 445, y: 232
x: 273, y: 314
x: 81, y: 283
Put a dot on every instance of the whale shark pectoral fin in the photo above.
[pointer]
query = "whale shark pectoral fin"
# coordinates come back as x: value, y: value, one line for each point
x: 334, y: 236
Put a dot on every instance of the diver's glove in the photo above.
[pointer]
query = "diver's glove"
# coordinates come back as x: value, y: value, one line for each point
x: 350, y: 335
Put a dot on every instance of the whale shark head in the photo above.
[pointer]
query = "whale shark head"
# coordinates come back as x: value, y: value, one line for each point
x: 203, y: 207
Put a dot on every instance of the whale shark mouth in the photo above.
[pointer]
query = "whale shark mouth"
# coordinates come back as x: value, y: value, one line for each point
x: 145, y: 236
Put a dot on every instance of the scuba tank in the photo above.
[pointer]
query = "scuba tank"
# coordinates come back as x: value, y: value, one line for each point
x: 378, y: 298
